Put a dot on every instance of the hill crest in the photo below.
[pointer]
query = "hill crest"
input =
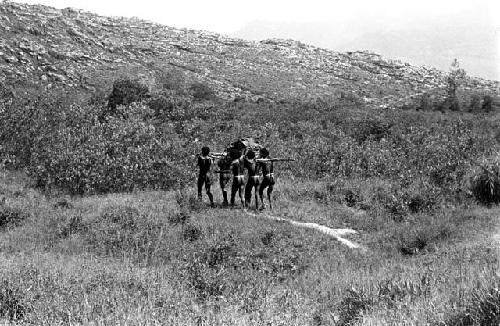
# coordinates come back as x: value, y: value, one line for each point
x: 71, y: 47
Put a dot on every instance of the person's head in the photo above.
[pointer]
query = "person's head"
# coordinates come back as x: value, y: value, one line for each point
x: 250, y: 155
x: 234, y: 154
x: 264, y: 152
x: 205, y: 151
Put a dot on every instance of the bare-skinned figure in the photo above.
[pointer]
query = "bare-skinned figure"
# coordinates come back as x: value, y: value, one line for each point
x: 224, y: 164
x: 253, y: 181
x: 267, y: 167
x: 205, y: 163
x: 237, y: 168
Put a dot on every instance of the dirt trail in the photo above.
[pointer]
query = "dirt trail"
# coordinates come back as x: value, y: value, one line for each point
x: 338, y: 234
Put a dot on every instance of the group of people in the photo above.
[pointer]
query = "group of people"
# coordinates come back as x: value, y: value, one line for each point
x: 232, y: 165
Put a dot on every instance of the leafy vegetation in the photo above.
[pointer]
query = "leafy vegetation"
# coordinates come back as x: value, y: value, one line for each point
x: 151, y: 252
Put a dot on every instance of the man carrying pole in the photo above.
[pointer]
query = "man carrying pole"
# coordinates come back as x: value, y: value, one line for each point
x: 266, y: 165
x: 205, y: 163
x: 253, y: 178
x: 237, y: 168
x: 267, y: 169
x: 224, y: 164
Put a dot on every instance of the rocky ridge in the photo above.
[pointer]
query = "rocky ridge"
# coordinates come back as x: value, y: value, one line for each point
x: 69, y: 47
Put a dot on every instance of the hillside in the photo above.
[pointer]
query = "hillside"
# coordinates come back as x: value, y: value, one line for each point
x: 425, y: 39
x: 71, y: 47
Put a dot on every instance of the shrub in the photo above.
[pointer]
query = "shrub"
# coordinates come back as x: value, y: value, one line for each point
x: 416, y: 241
x: 487, y: 105
x: 63, y: 203
x: 121, y: 155
x: 201, y: 91
x: 172, y: 79
x: 179, y: 218
x: 11, y: 216
x: 485, y: 183
x: 352, y: 198
x: 125, y: 91
x: 71, y: 225
x: 191, y: 232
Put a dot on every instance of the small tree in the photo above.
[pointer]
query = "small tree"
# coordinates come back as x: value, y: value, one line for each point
x: 454, y: 80
x: 487, y: 103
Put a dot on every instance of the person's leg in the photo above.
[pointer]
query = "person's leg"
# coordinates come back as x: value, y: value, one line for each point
x: 262, y: 187
x: 223, y: 181
x: 201, y: 181
x: 269, y: 192
x: 257, y: 196
x: 209, y: 194
x: 248, y: 192
x: 241, y: 191
x: 234, y: 189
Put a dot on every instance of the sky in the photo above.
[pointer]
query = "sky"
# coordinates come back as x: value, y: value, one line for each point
x: 228, y: 16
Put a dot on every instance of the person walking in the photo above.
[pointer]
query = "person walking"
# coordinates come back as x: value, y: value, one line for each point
x: 205, y: 163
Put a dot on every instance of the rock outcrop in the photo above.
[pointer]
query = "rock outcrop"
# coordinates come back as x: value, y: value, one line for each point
x: 69, y: 47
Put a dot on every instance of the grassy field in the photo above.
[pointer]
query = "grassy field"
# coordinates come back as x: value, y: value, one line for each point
x: 163, y: 258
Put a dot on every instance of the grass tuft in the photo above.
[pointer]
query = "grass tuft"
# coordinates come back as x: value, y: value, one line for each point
x: 484, y: 309
x: 191, y: 232
x: 485, y: 183
x: 11, y: 305
x: 352, y: 306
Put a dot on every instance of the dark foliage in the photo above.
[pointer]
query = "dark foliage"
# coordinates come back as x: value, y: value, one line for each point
x: 483, y: 310
x: 179, y: 218
x: 201, y: 91
x: 11, y: 216
x: 486, y: 185
x: 126, y: 91
x: 353, y: 304
x: 352, y: 198
x: 191, y: 232
x: 11, y: 304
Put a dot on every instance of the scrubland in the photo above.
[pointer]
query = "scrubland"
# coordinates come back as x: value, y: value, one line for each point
x: 99, y: 222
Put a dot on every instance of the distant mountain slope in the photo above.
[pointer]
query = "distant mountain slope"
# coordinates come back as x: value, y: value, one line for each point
x: 70, y: 47
x: 433, y: 41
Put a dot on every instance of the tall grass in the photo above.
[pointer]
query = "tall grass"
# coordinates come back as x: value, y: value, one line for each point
x: 124, y: 258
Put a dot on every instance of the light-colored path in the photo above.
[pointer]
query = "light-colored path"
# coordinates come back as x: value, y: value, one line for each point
x: 335, y: 233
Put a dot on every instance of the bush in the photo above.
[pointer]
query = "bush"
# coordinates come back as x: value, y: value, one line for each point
x: 120, y: 155
x: 11, y: 216
x: 71, y: 225
x: 487, y: 105
x: 201, y: 91
x: 485, y: 183
x: 172, y: 79
x: 125, y: 91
